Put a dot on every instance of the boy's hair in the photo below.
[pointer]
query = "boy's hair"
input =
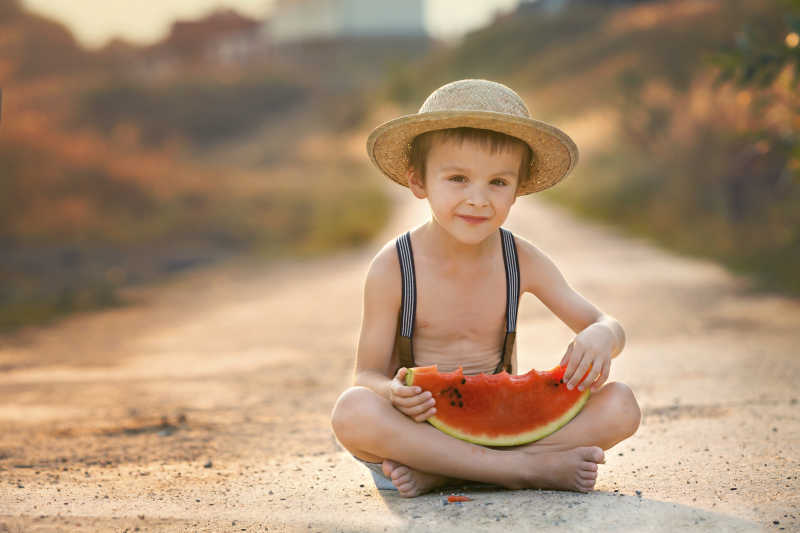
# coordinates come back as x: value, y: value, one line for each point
x: 422, y: 144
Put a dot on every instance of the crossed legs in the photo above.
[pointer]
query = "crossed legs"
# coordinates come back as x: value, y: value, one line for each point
x: 419, y: 457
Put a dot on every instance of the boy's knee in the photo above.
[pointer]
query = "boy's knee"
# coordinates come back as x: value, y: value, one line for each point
x: 351, y: 410
x: 627, y: 413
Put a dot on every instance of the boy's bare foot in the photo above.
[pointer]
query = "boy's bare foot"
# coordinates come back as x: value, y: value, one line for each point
x: 410, y: 482
x: 574, y: 469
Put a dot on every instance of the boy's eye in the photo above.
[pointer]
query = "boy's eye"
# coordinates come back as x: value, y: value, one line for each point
x: 498, y: 181
x: 458, y: 178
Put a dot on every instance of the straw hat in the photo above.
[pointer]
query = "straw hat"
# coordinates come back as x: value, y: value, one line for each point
x: 476, y: 104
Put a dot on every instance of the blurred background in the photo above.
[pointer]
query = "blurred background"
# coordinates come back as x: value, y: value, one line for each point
x: 139, y: 142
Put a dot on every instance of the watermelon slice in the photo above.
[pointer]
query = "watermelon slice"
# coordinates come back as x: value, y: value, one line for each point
x: 499, y: 409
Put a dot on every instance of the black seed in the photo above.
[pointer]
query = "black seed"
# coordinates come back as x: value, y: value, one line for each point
x: 452, y: 403
x: 461, y: 404
x: 458, y: 393
x: 555, y: 384
x: 463, y: 381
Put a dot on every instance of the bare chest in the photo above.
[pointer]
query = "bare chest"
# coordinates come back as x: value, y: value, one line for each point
x: 461, y: 310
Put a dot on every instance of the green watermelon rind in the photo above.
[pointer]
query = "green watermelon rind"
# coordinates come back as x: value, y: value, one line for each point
x: 509, y: 440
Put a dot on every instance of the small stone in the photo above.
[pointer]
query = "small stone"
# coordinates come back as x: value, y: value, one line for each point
x: 776, y: 522
x: 639, y: 493
x: 733, y: 488
x: 208, y: 464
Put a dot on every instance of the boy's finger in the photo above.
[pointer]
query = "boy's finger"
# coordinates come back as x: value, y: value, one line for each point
x: 566, y: 355
x: 420, y: 408
x: 603, y: 376
x: 407, y: 392
x: 414, y: 399
x: 423, y: 417
x: 579, y: 372
x: 593, y: 373
x: 574, y: 360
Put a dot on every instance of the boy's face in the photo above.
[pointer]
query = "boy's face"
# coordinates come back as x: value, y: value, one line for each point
x: 470, y: 190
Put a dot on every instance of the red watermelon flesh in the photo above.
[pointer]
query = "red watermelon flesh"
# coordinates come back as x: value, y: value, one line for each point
x: 499, y: 409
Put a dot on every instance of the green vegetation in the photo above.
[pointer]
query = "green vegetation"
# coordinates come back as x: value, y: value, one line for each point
x: 204, y: 111
x: 299, y: 213
x: 109, y: 175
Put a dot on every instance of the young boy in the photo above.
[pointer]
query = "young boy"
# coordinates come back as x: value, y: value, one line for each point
x: 446, y: 293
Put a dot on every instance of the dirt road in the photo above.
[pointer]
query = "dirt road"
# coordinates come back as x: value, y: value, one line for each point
x: 205, y: 406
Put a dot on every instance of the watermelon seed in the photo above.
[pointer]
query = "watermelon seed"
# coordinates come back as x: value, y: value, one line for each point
x: 452, y: 403
x: 463, y: 381
x: 461, y: 404
x: 555, y: 384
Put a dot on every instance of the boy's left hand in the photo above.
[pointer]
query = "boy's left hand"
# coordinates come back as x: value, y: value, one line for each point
x: 591, y: 347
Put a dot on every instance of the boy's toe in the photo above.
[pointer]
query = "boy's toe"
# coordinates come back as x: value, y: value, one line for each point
x: 401, y: 477
x: 388, y: 467
x: 405, y: 488
x: 598, y: 455
x: 400, y: 471
x: 588, y: 467
x: 587, y: 474
x: 592, y: 453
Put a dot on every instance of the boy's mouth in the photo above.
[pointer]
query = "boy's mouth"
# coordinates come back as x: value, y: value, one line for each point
x: 473, y: 220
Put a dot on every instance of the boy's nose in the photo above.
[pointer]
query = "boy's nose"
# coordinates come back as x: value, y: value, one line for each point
x: 476, y: 198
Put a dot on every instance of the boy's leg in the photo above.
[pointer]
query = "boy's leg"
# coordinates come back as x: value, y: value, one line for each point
x: 372, y: 429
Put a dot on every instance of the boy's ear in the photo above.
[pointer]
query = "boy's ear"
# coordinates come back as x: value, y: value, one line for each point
x: 415, y: 184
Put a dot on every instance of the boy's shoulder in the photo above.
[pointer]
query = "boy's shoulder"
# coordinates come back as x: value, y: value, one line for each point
x: 383, y: 275
x: 536, y: 268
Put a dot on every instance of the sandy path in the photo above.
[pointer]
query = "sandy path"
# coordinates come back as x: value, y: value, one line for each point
x: 205, y: 406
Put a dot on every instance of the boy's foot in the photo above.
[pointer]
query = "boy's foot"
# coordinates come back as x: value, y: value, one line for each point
x: 574, y: 469
x: 410, y: 482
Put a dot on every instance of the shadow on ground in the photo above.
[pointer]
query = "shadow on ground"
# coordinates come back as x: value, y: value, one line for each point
x: 536, y: 510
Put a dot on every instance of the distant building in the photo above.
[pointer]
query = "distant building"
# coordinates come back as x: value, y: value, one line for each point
x: 299, y: 20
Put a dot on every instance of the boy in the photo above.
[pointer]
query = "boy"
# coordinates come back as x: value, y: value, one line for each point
x: 446, y: 293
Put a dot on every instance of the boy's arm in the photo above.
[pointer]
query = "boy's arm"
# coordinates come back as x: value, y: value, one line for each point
x: 376, y: 364
x: 374, y: 367
x: 599, y: 337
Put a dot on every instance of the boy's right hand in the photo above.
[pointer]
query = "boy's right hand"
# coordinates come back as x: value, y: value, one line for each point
x: 411, y: 401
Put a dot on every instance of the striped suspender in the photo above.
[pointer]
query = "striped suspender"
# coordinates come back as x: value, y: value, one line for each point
x: 511, y: 263
x: 405, y: 320
x: 405, y: 324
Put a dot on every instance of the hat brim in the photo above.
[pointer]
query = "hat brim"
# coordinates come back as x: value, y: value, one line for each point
x: 555, y: 154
